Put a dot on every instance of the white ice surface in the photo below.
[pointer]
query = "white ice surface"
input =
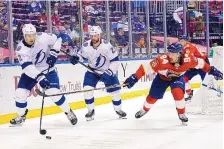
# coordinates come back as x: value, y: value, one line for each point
x: 158, y: 129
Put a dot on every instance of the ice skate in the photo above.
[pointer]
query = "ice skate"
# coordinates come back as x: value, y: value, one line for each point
x: 183, y: 119
x: 140, y: 113
x: 188, y: 98
x: 71, y: 117
x: 18, y: 120
x: 90, y: 115
x: 121, y: 114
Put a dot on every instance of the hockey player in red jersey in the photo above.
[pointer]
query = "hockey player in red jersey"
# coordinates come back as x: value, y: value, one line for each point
x: 170, y: 68
x: 189, y: 48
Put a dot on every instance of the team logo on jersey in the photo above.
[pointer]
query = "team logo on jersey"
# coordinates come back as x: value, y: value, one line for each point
x: 40, y: 57
x: 18, y: 48
x: 85, y: 44
x: 105, y: 41
x: 100, y: 61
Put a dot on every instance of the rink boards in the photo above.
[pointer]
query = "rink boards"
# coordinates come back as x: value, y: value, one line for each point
x: 71, y: 78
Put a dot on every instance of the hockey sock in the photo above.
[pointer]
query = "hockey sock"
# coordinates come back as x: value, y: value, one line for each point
x: 59, y: 100
x: 63, y: 104
x: 21, y: 107
x: 116, y: 99
x: 149, y: 103
x: 90, y: 103
x: 178, y: 95
x: 187, y: 85
x: 89, y: 99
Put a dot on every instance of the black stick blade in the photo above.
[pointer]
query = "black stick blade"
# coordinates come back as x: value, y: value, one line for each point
x: 43, y: 132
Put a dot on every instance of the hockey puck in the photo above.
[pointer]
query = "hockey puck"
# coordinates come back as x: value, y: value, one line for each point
x: 48, y: 137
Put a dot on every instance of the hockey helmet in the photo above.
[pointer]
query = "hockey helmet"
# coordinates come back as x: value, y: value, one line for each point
x: 28, y: 29
x: 175, y: 48
x: 95, y: 30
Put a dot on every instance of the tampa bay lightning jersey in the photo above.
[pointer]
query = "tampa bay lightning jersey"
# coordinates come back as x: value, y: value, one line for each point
x: 102, y: 58
x: 33, y: 58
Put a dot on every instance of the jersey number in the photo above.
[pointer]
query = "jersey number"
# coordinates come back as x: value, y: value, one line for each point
x: 187, y: 59
x: 163, y: 57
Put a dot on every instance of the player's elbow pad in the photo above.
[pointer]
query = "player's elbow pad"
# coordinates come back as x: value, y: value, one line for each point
x: 31, y: 71
x: 114, y: 66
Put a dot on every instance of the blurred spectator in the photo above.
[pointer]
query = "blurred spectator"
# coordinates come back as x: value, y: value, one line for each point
x: 42, y: 19
x: 88, y: 23
x: 55, y: 18
x: 67, y: 28
x: 74, y: 24
x: 75, y: 37
x: 123, y: 23
x: 121, y: 38
x: 34, y: 7
x: 139, y: 24
x: 141, y: 42
x: 56, y: 31
x: 66, y: 39
x: 200, y: 27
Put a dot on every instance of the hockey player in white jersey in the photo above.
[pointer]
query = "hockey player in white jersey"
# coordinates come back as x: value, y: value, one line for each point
x: 103, y: 59
x: 37, y: 54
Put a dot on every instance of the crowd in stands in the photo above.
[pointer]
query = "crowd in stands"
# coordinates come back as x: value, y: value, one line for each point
x: 65, y: 21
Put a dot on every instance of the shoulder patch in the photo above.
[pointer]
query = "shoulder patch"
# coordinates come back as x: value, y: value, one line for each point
x: 85, y: 44
x: 39, y: 33
x: 105, y: 41
x: 18, y: 48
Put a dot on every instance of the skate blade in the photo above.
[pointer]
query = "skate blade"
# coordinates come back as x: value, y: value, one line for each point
x: 89, y: 119
x: 16, y: 125
x: 122, y: 117
x: 184, y: 123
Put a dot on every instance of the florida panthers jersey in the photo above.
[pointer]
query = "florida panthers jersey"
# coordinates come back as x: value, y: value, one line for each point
x: 33, y: 58
x: 168, y: 71
x: 102, y: 58
x: 191, y: 49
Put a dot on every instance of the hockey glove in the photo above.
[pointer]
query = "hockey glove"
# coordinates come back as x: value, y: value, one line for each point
x: 216, y: 73
x: 74, y: 59
x: 107, y: 76
x: 130, y: 81
x: 44, y: 83
x: 51, y: 60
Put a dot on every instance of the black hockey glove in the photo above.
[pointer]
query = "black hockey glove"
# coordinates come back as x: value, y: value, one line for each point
x: 44, y: 83
x: 130, y: 81
x: 218, y: 75
x: 51, y: 60
x: 74, y: 59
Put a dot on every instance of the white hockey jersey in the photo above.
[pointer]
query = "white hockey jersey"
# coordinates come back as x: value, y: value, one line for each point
x: 33, y: 58
x: 102, y: 58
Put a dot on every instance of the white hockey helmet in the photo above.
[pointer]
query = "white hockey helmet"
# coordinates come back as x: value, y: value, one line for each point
x: 29, y: 29
x: 95, y: 30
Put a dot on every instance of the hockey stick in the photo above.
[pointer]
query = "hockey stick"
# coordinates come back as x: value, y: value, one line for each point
x: 89, y: 68
x: 43, y: 131
x: 219, y: 91
x: 81, y: 91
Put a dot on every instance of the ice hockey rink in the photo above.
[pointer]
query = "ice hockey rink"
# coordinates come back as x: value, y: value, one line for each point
x: 158, y: 129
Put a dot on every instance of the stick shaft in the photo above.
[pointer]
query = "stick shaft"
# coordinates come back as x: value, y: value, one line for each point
x: 82, y: 91
x: 212, y: 88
